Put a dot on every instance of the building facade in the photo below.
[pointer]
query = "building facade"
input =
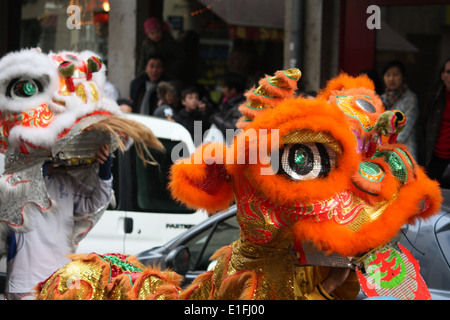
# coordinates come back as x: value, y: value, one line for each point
x: 321, y: 37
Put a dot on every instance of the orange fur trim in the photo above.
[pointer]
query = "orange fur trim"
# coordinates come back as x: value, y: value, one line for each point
x: 121, y: 284
x: 199, y: 184
x: 272, y: 90
x: 345, y: 85
x: 95, y: 259
x: 430, y: 190
x: 244, y: 282
x: 345, y: 82
x: 249, y: 113
x: 292, y: 83
x: 190, y: 291
x: 222, y: 252
x: 169, y: 288
x: 272, y: 101
x: 223, y: 255
x: 85, y: 291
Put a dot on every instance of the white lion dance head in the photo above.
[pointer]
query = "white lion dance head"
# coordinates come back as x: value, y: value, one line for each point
x: 52, y: 107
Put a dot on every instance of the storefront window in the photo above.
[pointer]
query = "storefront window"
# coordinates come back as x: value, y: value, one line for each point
x: 55, y: 25
x: 421, y: 47
x: 246, y: 37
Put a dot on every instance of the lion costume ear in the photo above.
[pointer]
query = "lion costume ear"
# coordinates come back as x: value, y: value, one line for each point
x: 201, y: 181
x: 345, y: 82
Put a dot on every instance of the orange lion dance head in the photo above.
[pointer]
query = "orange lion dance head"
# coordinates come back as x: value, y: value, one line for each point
x: 325, y: 173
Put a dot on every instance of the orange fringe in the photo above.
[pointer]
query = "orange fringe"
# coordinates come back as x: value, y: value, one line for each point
x: 338, y: 238
x: 246, y: 281
x: 345, y: 82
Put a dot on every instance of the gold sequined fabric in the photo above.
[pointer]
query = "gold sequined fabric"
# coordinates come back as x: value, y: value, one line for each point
x: 108, y: 277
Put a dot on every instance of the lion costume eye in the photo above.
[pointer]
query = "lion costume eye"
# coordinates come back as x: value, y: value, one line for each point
x: 23, y: 88
x: 307, y: 161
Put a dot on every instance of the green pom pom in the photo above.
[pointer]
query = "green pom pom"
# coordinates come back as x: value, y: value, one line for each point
x: 390, y: 122
x: 66, y: 69
x: 94, y: 64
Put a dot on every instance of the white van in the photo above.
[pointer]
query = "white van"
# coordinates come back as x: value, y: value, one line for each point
x: 144, y: 215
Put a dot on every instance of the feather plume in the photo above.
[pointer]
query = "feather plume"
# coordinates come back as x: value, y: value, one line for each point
x: 141, y: 135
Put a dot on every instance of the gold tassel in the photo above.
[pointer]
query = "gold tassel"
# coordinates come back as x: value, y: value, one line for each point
x: 142, y: 136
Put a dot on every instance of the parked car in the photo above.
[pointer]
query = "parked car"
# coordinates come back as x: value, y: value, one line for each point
x: 143, y: 213
x: 189, y: 253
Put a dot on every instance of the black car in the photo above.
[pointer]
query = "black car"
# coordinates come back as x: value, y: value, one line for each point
x: 429, y: 242
x: 188, y: 254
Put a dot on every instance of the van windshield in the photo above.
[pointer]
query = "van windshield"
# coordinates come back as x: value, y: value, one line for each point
x: 152, y: 181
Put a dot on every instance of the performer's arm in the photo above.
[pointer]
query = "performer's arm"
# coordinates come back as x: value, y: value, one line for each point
x: 89, y: 199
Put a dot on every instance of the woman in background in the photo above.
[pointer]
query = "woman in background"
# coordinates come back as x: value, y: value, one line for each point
x: 397, y: 96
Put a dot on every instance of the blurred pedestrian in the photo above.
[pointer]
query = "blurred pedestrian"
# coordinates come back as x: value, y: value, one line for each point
x: 143, y: 95
x: 437, y: 128
x: 193, y: 113
x: 233, y: 88
x: 168, y: 100
x: 397, y: 96
x: 159, y: 42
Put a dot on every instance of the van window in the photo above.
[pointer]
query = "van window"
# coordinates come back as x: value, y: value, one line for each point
x: 152, y: 181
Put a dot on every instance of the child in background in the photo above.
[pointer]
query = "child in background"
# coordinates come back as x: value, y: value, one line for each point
x: 168, y: 100
x: 193, y: 110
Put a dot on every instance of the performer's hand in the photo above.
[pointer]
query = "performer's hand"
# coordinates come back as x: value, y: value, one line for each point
x: 105, y: 160
x: 125, y: 108
x: 102, y: 156
x: 336, y: 278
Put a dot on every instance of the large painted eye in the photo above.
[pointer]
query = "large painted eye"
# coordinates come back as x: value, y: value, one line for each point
x: 307, y: 161
x: 23, y: 88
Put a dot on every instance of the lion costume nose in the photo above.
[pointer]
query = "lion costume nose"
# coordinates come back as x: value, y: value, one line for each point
x: 86, y: 91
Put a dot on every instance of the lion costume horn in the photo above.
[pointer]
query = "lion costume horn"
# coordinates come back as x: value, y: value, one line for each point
x: 271, y: 91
